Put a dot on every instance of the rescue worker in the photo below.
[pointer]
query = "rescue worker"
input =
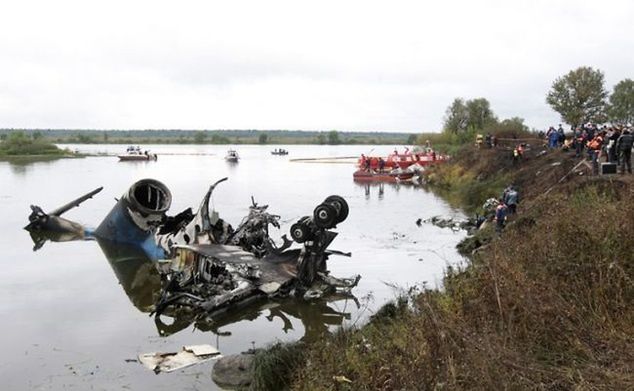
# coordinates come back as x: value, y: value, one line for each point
x: 487, y: 140
x: 561, y: 137
x: 500, y: 216
x: 624, y: 148
x: 594, y: 150
x: 365, y: 162
x: 511, y: 199
x: 553, y: 138
x: 580, y: 140
x: 518, y: 153
x: 479, y: 139
x: 381, y: 164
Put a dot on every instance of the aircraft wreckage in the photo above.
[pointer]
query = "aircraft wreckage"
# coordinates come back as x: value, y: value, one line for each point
x: 206, y: 267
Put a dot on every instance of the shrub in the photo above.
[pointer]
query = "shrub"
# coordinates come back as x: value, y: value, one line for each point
x: 18, y: 143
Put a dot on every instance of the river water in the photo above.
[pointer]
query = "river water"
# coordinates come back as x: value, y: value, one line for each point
x: 73, y: 321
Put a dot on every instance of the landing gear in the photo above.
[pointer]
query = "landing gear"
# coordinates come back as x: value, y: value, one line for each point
x: 314, y: 233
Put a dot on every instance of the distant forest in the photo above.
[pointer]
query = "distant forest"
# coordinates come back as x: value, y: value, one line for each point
x: 177, y: 136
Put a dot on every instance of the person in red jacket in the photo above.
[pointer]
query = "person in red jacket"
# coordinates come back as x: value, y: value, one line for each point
x: 594, y: 148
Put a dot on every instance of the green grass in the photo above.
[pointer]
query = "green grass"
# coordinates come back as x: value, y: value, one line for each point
x: 18, y: 144
x: 273, y: 369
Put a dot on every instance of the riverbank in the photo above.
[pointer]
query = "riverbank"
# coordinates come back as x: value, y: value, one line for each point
x: 20, y: 148
x: 23, y: 159
x: 545, y: 305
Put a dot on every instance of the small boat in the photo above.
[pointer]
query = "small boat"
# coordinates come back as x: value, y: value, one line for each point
x: 135, y: 154
x: 394, y: 176
x: 279, y: 152
x: 232, y: 156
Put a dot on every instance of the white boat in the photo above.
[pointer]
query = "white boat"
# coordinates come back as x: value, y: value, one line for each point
x: 135, y: 154
x: 279, y: 152
x: 232, y: 156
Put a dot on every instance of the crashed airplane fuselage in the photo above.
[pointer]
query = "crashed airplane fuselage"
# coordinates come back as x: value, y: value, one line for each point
x: 207, y: 267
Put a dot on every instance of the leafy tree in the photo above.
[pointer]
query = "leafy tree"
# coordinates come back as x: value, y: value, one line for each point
x: 411, y: 139
x: 622, y: 101
x: 456, y: 116
x: 218, y: 139
x: 263, y: 138
x: 199, y: 137
x: 82, y: 138
x: 333, y: 137
x: 18, y: 138
x: 508, y: 127
x: 579, y: 96
x: 37, y: 135
x: 479, y: 114
x: 472, y: 114
x: 514, y: 123
x: 321, y: 139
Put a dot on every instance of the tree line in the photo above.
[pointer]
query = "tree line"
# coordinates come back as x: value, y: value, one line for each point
x: 332, y: 137
x: 468, y: 116
x: 579, y: 97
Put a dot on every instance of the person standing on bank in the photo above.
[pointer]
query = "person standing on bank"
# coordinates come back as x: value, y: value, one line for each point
x: 500, y: 216
x: 624, y: 149
x: 511, y: 200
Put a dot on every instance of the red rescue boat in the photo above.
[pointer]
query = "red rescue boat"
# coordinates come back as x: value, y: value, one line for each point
x: 390, y: 177
x: 397, y: 167
x: 401, y: 160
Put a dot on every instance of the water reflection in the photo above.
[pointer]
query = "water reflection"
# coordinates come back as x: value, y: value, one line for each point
x: 136, y: 273
x: 23, y: 165
x: 376, y: 187
x: 315, y: 317
x: 19, y: 168
x: 142, y: 283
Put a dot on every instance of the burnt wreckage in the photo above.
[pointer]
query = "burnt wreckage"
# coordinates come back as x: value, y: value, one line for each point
x: 207, y: 268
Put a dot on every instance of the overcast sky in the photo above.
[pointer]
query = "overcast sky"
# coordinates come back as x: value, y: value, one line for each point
x: 320, y: 65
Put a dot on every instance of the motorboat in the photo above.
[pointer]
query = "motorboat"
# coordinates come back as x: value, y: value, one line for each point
x: 135, y: 154
x: 232, y: 156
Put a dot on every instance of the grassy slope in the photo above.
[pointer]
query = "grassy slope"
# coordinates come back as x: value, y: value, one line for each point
x: 548, y: 305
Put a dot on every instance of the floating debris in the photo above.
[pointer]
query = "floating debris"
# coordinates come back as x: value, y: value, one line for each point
x: 449, y: 222
x: 188, y: 356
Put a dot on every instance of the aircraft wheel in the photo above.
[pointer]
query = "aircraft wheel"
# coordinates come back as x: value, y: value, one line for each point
x: 300, y: 232
x: 325, y: 216
x: 340, y: 205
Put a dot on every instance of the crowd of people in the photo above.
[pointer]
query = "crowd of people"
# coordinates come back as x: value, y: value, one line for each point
x: 612, y: 144
x: 609, y: 144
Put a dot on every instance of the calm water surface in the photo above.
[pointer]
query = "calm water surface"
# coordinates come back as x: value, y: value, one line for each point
x: 70, y: 323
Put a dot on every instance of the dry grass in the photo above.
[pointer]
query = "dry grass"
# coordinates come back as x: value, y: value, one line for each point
x: 546, y: 306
